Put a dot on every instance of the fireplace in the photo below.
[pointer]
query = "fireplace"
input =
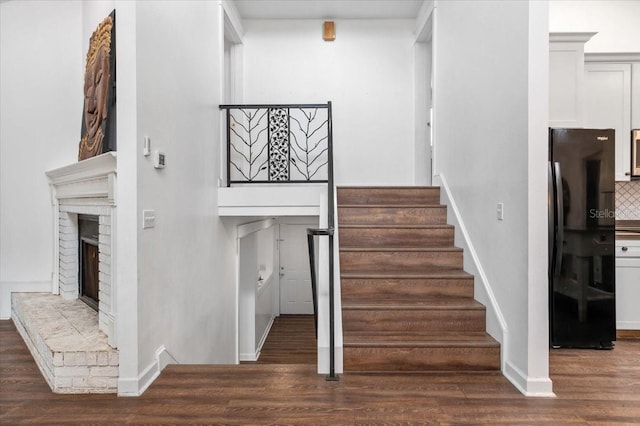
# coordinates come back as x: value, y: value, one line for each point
x: 85, y: 236
x: 88, y: 260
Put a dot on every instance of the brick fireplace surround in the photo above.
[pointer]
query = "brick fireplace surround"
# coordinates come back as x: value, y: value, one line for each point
x: 73, y: 345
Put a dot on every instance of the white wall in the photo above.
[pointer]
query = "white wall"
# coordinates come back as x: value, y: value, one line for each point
x: 41, y: 83
x: 422, y: 148
x: 256, y: 300
x: 93, y: 12
x: 247, y: 276
x: 186, y: 283
x: 482, y: 103
x: 127, y: 211
x: 537, y: 378
x: 616, y: 22
x: 368, y: 73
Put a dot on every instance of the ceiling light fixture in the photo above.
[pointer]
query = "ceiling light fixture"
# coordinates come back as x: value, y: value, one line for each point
x: 329, y: 31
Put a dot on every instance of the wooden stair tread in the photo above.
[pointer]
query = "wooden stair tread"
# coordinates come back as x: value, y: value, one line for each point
x: 364, y: 188
x: 402, y: 249
x: 419, y: 339
x: 396, y: 226
x: 451, y: 274
x: 440, y: 303
x: 403, y: 205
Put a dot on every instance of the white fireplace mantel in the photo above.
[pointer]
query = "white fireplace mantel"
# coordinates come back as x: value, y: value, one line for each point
x: 90, y: 178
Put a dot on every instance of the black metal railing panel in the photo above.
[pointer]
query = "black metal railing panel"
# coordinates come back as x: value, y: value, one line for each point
x: 277, y: 143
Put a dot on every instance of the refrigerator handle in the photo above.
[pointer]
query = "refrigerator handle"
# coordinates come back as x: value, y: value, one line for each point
x: 559, y: 217
x: 551, y: 201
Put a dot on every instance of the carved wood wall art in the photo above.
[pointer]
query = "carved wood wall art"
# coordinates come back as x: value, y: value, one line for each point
x: 98, y: 115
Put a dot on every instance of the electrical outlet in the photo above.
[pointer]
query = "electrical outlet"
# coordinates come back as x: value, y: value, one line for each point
x: 500, y: 211
x: 148, y: 219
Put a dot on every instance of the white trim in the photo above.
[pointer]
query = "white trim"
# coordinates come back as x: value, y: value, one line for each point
x: 164, y: 357
x: 268, y: 211
x: 137, y: 386
x: 558, y: 37
x: 538, y: 382
x: 100, y: 165
x: 628, y: 325
x: 528, y: 386
x: 265, y: 335
x: 479, y: 270
x: 233, y: 22
x: 434, y: 91
x: 236, y: 269
x: 281, y: 200
x: 250, y: 357
x: 8, y: 287
x: 249, y: 228
x: 90, y: 178
x: 424, y: 21
x: 612, y: 57
x: 255, y: 356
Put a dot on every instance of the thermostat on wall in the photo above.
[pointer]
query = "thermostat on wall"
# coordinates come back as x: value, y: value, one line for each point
x: 158, y: 159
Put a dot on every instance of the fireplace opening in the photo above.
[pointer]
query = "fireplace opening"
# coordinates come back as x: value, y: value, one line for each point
x: 88, y: 260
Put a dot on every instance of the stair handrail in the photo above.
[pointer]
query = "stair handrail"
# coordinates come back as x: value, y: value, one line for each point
x: 329, y: 232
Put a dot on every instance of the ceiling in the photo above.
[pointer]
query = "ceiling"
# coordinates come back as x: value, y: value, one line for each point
x: 328, y: 9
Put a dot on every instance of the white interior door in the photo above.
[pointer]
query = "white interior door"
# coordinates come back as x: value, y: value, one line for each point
x: 295, y: 277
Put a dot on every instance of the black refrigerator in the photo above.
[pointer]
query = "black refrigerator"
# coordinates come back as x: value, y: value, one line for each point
x: 582, y: 238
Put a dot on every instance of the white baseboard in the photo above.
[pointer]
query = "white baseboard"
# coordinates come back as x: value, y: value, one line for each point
x: 164, y: 358
x: 137, y: 386
x: 540, y: 388
x: 8, y: 287
x: 628, y: 325
x: 534, y: 387
x: 249, y: 357
x: 497, y: 328
x: 265, y: 334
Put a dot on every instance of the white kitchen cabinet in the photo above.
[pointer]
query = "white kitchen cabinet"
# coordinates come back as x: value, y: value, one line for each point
x: 608, y: 105
x: 567, y: 79
x: 628, y: 284
x: 635, y: 95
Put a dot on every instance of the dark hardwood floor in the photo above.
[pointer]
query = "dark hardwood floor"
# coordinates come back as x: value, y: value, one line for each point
x: 291, y: 340
x: 592, y: 387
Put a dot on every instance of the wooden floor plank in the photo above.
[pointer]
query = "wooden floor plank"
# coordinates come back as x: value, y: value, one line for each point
x: 292, y: 340
x: 592, y: 387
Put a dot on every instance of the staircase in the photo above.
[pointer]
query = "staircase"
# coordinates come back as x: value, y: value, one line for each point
x: 407, y: 304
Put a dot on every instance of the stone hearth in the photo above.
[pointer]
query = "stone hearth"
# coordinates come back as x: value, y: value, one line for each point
x: 63, y: 337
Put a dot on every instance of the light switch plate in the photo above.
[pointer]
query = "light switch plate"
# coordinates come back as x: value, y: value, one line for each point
x: 148, y: 219
x: 159, y: 159
x: 146, y: 150
x: 500, y: 211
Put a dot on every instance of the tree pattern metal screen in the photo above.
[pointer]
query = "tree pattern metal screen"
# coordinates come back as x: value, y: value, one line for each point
x: 277, y: 144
